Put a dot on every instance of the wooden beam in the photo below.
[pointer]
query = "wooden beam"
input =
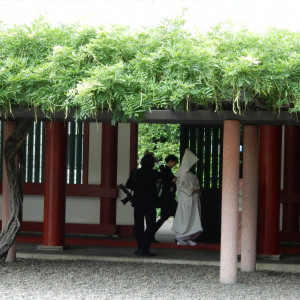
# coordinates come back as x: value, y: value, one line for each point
x: 203, y: 116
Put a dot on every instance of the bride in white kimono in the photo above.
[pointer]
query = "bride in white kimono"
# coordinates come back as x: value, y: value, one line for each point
x: 187, y: 222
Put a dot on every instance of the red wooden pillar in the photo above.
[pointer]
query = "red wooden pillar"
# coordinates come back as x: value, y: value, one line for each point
x: 109, y: 159
x: 269, y: 188
x: 9, y: 127
x: 55, y: 186
x: 291, y: 178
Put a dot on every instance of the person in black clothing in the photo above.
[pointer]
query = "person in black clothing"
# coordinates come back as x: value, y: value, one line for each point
x: 167, y: 199
x: 143, y: 182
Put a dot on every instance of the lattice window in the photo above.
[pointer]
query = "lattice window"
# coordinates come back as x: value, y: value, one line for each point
x: 206, y: 143
x: 33, y: 151
x: 75, y: 153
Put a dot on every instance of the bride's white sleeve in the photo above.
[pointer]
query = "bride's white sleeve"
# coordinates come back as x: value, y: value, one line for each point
x: 185, y: 185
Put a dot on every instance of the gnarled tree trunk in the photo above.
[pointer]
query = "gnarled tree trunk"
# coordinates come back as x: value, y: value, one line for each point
x: 12, y: 149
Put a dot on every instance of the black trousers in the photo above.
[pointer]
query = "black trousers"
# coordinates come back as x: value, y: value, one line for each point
x: 144, y: 237
x: 168, y: 209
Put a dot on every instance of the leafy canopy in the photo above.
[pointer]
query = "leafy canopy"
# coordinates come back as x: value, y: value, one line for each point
x: 161, y: 139
x: 129, y: 72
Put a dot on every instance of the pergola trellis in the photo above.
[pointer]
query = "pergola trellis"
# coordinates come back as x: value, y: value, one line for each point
x: 231, y: 147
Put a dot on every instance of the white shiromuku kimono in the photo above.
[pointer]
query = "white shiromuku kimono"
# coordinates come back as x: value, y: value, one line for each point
x: 187, y: 221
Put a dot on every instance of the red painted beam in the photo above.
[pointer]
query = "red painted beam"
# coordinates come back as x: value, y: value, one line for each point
x: 90, y: 190
x: 79, y: 228
x: 107, y: 242
x: 75, y: 190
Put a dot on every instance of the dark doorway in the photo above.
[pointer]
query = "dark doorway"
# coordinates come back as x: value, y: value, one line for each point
x: 206, y: 143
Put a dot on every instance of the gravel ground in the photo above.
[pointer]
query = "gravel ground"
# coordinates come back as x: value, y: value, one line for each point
x: 28, y: 279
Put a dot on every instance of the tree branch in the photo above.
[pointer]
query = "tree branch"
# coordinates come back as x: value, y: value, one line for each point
x: 14, y: 174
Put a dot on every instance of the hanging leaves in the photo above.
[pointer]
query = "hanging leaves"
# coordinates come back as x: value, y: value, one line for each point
x: 129, y: 72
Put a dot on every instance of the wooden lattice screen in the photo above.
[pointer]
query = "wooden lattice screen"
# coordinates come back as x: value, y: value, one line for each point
x: 206, y: 143
x: 33, y: 151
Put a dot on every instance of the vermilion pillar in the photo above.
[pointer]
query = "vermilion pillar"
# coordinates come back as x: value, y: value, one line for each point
x: 269, y: 187
x: 230, y: 196
x: 9, y: 127
x: 55, y: 185
x: 109, y: 172
x: 291, y: 178
x: 249, y: 193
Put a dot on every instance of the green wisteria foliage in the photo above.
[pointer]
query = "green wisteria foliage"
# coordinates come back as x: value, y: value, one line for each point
x: 128, y: 72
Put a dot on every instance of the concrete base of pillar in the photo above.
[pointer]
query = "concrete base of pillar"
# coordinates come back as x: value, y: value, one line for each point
x: 53, y: 248
x: 269, y: 257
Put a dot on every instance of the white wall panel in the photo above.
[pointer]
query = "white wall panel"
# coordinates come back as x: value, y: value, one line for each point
x: 124, y: 213
x: 78, y: 209
x: 83, y: 210
x: 33, y: 208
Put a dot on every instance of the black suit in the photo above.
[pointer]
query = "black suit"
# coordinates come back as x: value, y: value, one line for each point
x: 144, y: 197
